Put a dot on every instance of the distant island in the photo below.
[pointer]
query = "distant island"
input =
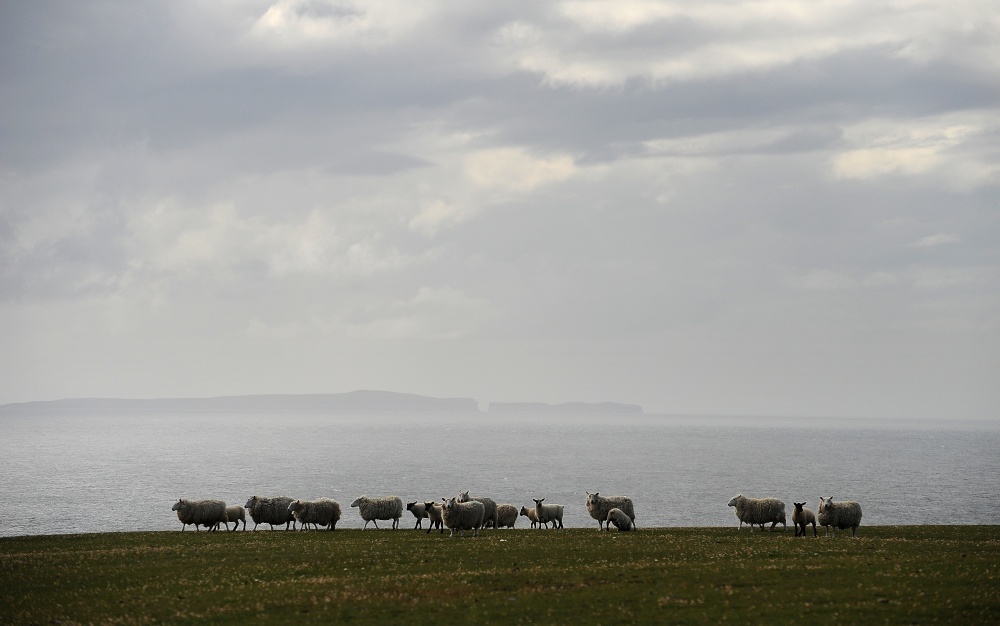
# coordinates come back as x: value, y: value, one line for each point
x: 352, y: 402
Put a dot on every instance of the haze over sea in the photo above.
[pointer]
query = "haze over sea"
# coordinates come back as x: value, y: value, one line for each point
x: 77, y: 473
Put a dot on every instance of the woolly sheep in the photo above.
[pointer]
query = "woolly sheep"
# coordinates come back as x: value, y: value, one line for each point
x: 436, y: 515
x: 419, y: 510
x: 621, y: 521
x: 599, y: 506
x: 270, y: 511
x: 372, y: 509
x: 463, y: 516
x: 801, y: 518
x: 839, y: 515
x: 532, y: 516
x: 489, y: 503
x: 236, y: 514
x: 207, y: 513
x: 759, y: 511
x: 549, y: 512
x: 322, y: 512
x: 506, y: 515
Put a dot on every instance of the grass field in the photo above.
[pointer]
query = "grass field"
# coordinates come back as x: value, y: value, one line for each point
x: 890, y: 574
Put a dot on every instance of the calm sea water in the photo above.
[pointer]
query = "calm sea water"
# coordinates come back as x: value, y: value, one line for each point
x: 72, y: 474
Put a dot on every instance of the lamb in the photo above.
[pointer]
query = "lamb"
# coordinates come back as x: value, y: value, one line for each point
x: 436, y: 515
x: 236, y: 514
x: 549, y: 513
x: 801, y: 518
x: 834, y: 515
x: 506, y: 515
x: 463, y: 516
x: 322, y: 512
x: 207, y: 513
x: 599, y: 506
x: 531, y: 515
x: 489, y: 503
x: 759, y: 511
x: 270, y: 511
x: 419, y: 510
x: 621, y: 521
x: 372, y: 509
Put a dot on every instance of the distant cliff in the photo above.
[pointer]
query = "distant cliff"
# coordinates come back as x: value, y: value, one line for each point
x: 355, y: 401
x: 566, y: 407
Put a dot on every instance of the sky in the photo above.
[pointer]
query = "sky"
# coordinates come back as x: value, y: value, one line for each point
x: 776, y: 208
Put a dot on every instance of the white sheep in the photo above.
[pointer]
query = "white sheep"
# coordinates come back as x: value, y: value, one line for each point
x: 489, y: 503
x: 463, y: 516
x: 419, y: 510
x: 321, y: 512
x: 506, y: 515
x: 549, y: 512
x: 372, y: 509
x: 532, y: 516
x: 801, y: 518
x: 207, y: 513
x: 599, y: 506
x: 270, y: 511
x: 236, y: 514
x: 620, y: 519
x: 834, y: 515
x: 759, y: 511
x: 436, y: 515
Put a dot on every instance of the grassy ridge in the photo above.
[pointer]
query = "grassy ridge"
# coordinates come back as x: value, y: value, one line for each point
x: 900, y: 574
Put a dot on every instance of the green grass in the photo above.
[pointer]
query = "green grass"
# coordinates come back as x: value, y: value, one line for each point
x: 890, y: 574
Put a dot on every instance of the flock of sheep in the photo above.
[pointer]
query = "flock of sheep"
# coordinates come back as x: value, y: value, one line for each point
x: 463, y: 512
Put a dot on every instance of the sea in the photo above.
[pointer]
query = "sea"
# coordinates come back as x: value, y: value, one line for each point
x: 109, y: 473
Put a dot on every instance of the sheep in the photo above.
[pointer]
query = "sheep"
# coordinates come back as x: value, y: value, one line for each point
x: 436, y: 515
x: 834, y: 515
x: 532, y: 516
x: 549, y: 512
x: 801, y: 518
x: 207, y: 513
x: 506, y: 515
x: 419, y: 510
x: 621, y: 521
x: 491, y: 508
x: 599, y: 506
x: 322, y: 512
x: 759, y: 511
x: 463, y: 516
x: 372, y: 509
x: 270, y: 511
x: 236, y: 514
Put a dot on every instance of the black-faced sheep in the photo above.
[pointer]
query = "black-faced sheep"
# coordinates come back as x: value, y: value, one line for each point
x: 372, y: 509
x: 419, y: 510
x: 549, y: 513
x: 207, y: 513
x: 839, y: 515
x: 599, y: 506
x: 621, y: 521
x: 490, y: 505
x: 759, y: 511
x: 322, y: 512
x: 801, y: 518
x: 272, y: 511
x: 436, y: 516
x: 463, y: 516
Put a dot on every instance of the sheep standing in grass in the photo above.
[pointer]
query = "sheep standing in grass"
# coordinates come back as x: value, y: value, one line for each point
x: 549, y: 512
x: 621, y: 521
x: 463, y: 516
x: 490, y: 504
x: 801, y: 518
x: 272, y: 511
x: 419, y: 510
x: 236, y: 514
x: 834, y: 515
x: 506, y: 515
x: 759, y: 511
x: 532, y: 516
x: 207, y: 513
x: 599, y: 506
x: 322, y: 512
x: 436, y: 515
x: 372, y: 509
